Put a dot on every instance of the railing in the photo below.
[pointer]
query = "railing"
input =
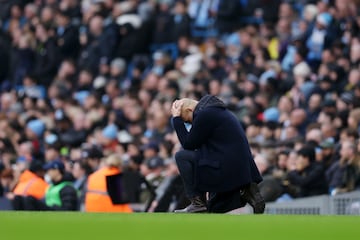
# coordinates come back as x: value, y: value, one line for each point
x: 342, y: 204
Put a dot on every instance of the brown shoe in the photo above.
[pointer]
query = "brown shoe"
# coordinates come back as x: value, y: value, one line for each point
x: 253, y: 196
x: 196, y: 206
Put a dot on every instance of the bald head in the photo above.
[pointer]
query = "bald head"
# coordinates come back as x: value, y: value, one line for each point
x: 188, y: 103
x: 187, y: 108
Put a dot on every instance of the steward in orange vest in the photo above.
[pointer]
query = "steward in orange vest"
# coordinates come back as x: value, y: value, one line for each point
x: 30, y: 183
x: 98, y: 198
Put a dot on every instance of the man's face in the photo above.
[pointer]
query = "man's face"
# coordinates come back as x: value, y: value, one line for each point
x: 187, y: 114
x: 52, y: 173
x: 301, y: 162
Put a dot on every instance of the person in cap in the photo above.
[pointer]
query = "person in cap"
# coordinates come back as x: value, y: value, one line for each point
x: 328, y: 152
x: 212, y: 150
x: 152, y: 169
x: 150, y: 150
x: 60, y: 195
x: 52, y: 147
x: 118, y: 70
x: 103, y: 193
x: 109, y: 139
x: 345, y: 102
x: 34, y: 131
x: 92, y: 155
x: 170, y: 194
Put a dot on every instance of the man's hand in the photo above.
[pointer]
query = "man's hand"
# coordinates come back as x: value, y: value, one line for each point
x: 176, y: 108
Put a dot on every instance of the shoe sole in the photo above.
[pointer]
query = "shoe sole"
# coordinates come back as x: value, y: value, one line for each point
x: 185, y: 211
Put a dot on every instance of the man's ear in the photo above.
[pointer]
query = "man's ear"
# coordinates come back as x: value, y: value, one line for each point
x: 189, y: 109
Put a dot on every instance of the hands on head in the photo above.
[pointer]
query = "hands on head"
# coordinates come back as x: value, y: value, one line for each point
x: 176, y: 108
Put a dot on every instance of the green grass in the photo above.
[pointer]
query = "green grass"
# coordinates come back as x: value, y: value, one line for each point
x: 61, y: 225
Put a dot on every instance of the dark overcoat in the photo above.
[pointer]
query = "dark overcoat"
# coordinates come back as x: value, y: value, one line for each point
x: 224, y: 161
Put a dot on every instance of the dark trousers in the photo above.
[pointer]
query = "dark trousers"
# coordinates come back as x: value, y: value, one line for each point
x: 218, y: 202
x: 186, y: 160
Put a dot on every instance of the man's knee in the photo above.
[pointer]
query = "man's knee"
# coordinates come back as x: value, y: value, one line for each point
x: 184, y: 155
x: 179, y: 156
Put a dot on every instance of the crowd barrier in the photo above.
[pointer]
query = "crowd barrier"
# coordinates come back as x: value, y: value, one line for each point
x: 342, y: 204
x: 5, y: 204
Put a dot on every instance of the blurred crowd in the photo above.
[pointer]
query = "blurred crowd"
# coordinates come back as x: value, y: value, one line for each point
x: 82, y: 81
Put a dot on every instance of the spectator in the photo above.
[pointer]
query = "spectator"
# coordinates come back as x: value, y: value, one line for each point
x: 67, y: 35
x: 23, y: 58
x: 319, y: 39
x: 152, y: 169
x: 81, y: 170
x: 307, y: 177
x: 46, y: 57
x: 30, y: 183
x: 16, y: 18
x: 342, y: 174
x: 328, y: 150
x: 170, y: 194
x: 181, y: 19
x: 118, y: 71
x: 94, y: 44
x: 6, y: 181
x: 92, y: 155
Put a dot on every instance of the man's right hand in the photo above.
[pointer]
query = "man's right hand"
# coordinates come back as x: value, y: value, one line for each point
x: 176, y: 108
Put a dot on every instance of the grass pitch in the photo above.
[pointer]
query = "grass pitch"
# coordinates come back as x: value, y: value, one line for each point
x: 69, y: 226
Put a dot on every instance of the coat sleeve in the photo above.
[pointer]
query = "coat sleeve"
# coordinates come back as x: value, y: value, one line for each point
x: 303, y: 181
x: 201, y: 129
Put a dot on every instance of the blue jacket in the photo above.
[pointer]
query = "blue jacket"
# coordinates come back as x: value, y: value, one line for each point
x: 225, y: 161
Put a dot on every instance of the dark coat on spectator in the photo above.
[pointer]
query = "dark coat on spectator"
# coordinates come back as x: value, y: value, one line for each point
x: 225, y: 161
x: 97, y: 47
x: 46, y: 62
x: 68, y: 42
x: 310, y: 182
x: 133, y: 41
x: 181, y: 26
x: 228, y: 15
x: 4, y: 55
x: 22, y: 61
x: 163, y: 27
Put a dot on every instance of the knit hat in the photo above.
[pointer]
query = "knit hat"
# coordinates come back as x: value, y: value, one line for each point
x: 155, y: 162
x: 51, y: 139
x: 271, y: 114
x: 302, y: 69
x: 55, y: 164
x: 328, y: 143
x: 118, y: 63
x: 36, y: 126
x: 324, y: 19
x: 110, y: 131
x: 150, y: 145
x: 347, y: 97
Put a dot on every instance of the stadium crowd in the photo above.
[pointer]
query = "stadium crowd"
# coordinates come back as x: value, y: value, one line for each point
x: 83, y: 80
